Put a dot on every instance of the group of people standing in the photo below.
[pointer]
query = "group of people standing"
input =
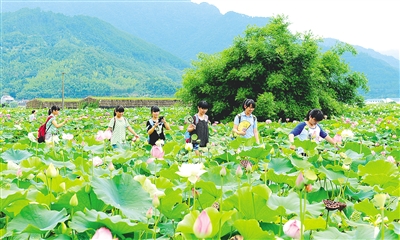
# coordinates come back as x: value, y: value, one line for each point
x: 244, y: 125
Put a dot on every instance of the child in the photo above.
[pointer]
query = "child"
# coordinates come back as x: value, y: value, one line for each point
x: 309, y: 129
x: 200, y: 126
x: 52, y: 125
x: 117, y: 126
x: 155, y: 126
x: 32, y: 117
x: 246, y: 118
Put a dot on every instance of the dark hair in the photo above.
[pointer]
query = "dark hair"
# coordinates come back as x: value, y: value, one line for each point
x: 154, y: 109
x: 33, y: 111
x: 203, y: 104
x: 54, y: 108
x: 248, y: 102
x: 118, y: 109
x: 315, y: 113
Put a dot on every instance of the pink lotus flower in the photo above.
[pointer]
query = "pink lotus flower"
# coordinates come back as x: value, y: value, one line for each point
x: 100, y: 136
x: 300, y: 181
x: 180, y: 128
x: 202, y: 227
x: 292, y: 228
x: 337, y: 138
x: 102, y: 234
x: 157, y: 152
x: 391, y: 159
x: 107, y: 134
x: 97, y: 161
x: 19, y: 173
x: 268, y: 121
x: 67, y: 136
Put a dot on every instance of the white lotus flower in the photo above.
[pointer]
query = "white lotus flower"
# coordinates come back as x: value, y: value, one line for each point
x: 32, y: 137
x: 97, y: 161
x: 12, y: 166
x: 347, y: 134
x: 191, y: 171
x: 189, y: 146
x: 18, y: 127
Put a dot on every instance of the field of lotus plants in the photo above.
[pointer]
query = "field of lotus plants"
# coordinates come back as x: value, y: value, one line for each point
x: 79, y: 187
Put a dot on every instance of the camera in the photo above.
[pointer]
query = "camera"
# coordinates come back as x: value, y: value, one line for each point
x: 161, y: 118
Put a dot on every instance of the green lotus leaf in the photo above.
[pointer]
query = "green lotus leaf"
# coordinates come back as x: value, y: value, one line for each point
x: 93, y: 220
x: 281, y: 178
x: 15, y: 155
x: 256, y: 152
x: 251, y: 205
x: 366, y: 207
x: 124, y: 193
x: 360, y: 194
x: 355, y: 150
x: 35, y: 218
x: 122, y: 157
x: 10, y: 196
x: 395, y: 226
x: 331, y: 175
x: 291, y: 204
x: 280, y: 165
x: 172, y: 206
x: 250, y: 229
x: 301, y: 164
x: 333, y: 233
x: 314, y: 223
x: 378, y: 167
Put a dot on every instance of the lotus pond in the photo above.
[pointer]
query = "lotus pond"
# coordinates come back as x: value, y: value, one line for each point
x: 77, y: 187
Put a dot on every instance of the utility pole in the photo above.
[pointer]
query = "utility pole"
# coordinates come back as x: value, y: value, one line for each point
x: 62, y: 90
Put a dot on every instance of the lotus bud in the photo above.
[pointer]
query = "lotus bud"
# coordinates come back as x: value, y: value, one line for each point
x: 202, y: 227
x: 156, y: 201
x: 73, y: 201
x: 149, y: 213
x: 223, y: 171
x: 63, y: 228
x: 111, y: 166
x: 239, y: 172
x: 380, y: 200
x: 51, y: 171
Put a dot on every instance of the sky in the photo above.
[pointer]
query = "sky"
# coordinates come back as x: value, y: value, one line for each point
x: 371, y: 24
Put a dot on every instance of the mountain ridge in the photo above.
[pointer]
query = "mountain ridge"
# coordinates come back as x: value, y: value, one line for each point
x: 202, y: 28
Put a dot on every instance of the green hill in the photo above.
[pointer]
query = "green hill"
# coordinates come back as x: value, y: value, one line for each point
x: 97, y: 58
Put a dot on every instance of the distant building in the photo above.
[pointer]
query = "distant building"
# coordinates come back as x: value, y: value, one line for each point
x: 6, y: 99
x: 382, y: 100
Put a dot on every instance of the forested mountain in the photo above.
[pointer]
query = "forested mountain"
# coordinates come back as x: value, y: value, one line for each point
x: 186, y: 29
x: 97, y: 58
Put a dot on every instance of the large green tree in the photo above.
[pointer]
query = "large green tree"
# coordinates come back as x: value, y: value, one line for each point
x: 287, y: 74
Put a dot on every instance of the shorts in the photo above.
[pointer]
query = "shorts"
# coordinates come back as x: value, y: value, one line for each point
x: 196, y: 146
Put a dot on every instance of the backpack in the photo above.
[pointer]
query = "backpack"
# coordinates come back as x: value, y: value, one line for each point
x: 188, y: 135
x: 42, y: 131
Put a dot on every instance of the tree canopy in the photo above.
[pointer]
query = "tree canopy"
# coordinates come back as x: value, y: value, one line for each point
x: 286, y: 74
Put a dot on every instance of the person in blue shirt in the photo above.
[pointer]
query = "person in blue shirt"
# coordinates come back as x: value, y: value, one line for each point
x: 310, y: 129
x: 245, y: 123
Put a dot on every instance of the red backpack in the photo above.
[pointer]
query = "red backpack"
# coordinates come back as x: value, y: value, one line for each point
x: 42, y: 131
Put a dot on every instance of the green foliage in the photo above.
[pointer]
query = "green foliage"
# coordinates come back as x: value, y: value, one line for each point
x: 286, y: 73
x: 97, y: 59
